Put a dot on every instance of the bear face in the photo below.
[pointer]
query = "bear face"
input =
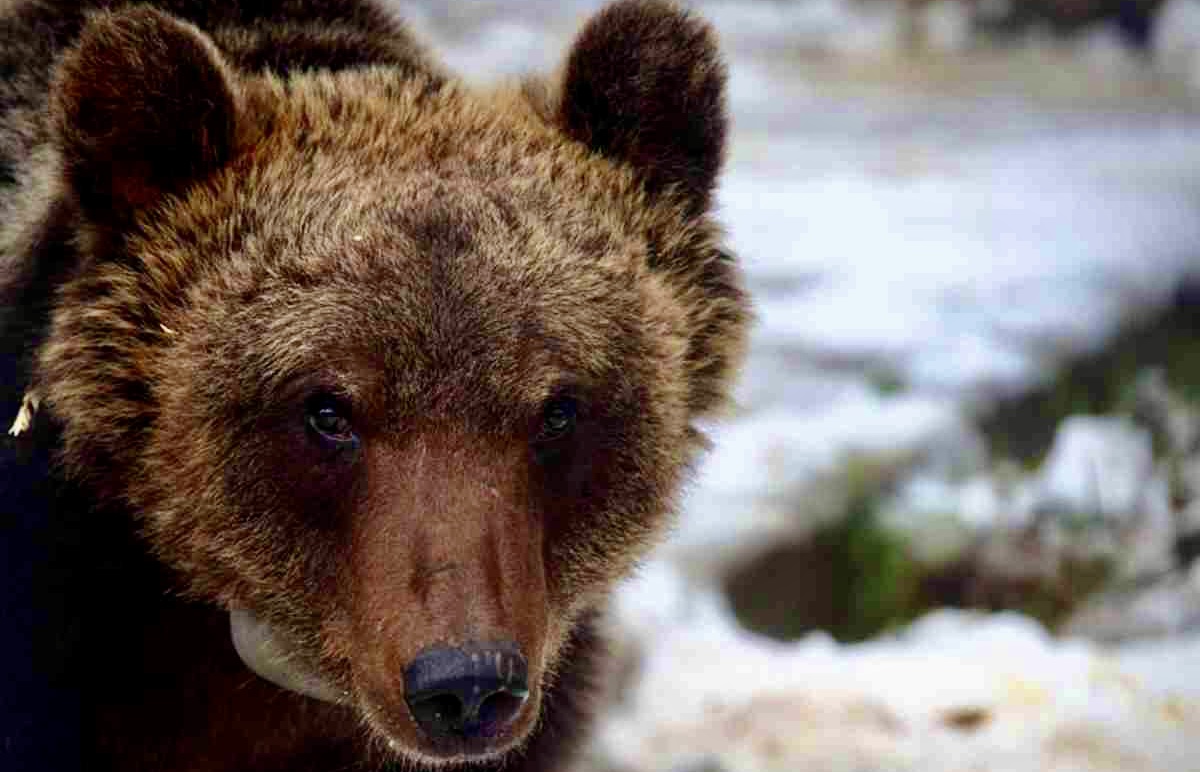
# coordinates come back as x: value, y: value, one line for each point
x: 384, y: 365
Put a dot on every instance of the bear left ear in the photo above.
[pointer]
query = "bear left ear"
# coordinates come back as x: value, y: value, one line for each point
x: 141, y: 106
x: 644, y: 85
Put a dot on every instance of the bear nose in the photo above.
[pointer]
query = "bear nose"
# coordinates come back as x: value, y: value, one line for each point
x: 466, y: 692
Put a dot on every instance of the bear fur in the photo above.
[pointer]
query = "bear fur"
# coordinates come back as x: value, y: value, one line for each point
x: 217, y: 219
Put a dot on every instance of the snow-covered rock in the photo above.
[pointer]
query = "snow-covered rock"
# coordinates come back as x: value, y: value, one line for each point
x: 1103, y: 470
x: 1101, y: 467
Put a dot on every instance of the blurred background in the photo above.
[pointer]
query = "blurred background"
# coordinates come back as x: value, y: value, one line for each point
x: 953, y: 522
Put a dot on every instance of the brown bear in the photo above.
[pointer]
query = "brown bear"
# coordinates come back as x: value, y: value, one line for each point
x: 357, y: 377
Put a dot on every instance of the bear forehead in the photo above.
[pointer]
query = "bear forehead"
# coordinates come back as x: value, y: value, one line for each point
x: 361, y: 136
x: 364, y: 172
x: 402, y: 331
x: 487, y: 263
x: 394, y: 321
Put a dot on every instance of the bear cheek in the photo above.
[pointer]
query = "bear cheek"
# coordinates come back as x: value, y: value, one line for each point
x: 268, y: 527
x: 446, y: 554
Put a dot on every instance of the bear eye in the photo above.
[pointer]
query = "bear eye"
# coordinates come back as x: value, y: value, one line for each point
x: 329, y: 422
x: 558, y: 419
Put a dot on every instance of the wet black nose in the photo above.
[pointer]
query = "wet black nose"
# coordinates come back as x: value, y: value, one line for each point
x: 466, y: 693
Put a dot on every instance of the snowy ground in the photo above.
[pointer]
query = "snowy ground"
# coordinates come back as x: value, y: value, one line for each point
x: 953, y: 692
x: 958, y: 222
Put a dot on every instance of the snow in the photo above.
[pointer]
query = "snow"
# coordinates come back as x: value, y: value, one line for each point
x: 966, y: 278
x: 954, y: 691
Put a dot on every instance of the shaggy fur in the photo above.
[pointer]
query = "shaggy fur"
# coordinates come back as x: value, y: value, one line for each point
x: 216, y: 212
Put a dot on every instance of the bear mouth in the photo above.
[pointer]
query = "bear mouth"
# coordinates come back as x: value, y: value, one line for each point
x: 272, y: 657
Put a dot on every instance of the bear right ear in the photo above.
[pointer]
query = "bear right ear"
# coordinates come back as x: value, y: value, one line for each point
x: 142, y: 105
x: 644, y: 85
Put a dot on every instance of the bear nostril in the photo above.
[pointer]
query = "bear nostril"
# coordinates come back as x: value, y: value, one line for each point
x: 443, y: 711
x: 466, y: 693
x: 499, y: 709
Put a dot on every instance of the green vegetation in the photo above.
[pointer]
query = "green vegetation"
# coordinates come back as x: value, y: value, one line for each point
x: 886, y: 382
x: 857, y: 577
x: 874, y: 572
x: 853, y: 577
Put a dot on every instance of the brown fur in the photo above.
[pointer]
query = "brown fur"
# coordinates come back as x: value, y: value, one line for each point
x: 247, y: 204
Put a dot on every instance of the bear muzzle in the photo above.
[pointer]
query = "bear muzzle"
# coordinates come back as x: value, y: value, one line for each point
x: 465, y: 701
x: 441, y: 632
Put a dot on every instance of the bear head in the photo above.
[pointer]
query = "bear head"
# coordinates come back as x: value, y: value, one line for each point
x: 393, y: 369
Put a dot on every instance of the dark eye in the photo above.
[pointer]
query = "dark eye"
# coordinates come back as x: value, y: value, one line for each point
x: 329, y: 421
x: 558, y: 419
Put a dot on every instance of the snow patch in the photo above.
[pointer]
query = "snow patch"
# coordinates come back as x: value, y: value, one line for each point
x: 954, y: 691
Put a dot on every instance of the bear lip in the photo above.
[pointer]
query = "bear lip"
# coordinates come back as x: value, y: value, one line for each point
x: 271, y: 656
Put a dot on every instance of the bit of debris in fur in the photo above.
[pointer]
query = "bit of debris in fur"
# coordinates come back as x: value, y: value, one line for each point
x: 29, y: 407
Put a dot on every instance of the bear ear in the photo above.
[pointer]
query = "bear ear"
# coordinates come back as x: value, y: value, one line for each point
x: 644, y: 85
x: 142, y: 105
